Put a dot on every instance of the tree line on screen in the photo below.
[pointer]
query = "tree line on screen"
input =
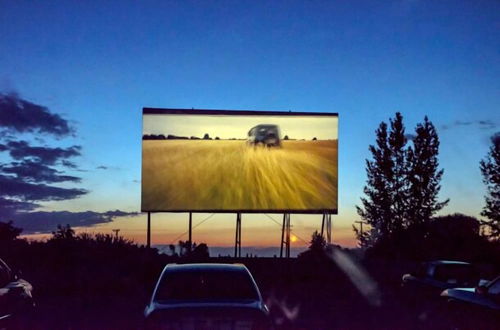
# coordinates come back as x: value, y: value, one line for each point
x: 205, y: 137
x: 401, y: 195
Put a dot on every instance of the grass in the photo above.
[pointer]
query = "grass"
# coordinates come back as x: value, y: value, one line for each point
x: 229, y: 175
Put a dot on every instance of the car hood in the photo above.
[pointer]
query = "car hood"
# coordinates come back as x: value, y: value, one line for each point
x: 206, y: 305
x: 469, y: 295
x: 236, y: 314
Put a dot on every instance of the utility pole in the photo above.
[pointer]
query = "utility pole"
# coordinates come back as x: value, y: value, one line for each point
x: 116, y: 231
x: 360, y: 226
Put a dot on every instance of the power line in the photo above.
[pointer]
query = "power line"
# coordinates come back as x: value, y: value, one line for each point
x: 279, y: 224
x: 187, y: 231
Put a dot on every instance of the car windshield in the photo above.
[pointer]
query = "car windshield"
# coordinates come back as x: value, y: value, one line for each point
x: 206, y: 286
x: 463, y: 274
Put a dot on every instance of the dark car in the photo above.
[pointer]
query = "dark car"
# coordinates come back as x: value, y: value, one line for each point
x: 477, y: 308
x: 431, y: 278
x: 206, y: 296
x: 487, y: 296
x: 267, y: 135
x: 16, y: 300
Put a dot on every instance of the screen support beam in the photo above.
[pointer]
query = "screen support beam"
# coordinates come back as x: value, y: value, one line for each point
x: 148, y: 244
x: 237, y: 243
x: 285, y: 236
x: 190, y: 246
x: 327, y: 222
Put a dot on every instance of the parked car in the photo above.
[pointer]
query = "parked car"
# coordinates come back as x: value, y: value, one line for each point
x: 431, y: 278
x: 206, y: 296
x: 16, y: 300
x: 487, y: 296
x: 475, y: 308
x: 268, y: 135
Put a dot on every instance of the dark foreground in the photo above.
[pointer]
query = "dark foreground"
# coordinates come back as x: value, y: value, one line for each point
x: 88, y: 289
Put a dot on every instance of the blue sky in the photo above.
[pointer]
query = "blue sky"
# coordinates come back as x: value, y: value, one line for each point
x: 99, y: 63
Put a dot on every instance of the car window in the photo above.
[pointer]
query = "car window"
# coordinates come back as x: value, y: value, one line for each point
x: 430, y: 271
x: 457, y: 274
x: 206, y: 285
x: 494, y: 288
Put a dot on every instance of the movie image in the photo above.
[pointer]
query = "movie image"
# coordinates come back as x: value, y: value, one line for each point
x: 236, y: 161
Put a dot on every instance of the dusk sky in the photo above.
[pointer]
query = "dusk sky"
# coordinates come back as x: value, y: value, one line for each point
x: 97, y: 64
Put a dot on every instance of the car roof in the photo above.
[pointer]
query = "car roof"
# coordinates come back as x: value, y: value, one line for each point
x: 206, y: 267
x: 266, y: 125
x: 448, y: 262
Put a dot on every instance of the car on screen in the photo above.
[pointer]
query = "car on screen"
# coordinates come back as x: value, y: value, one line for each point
x: 16, y: 300
x: 266, y: 134
x: 206, y: 296
x: 431, y: 278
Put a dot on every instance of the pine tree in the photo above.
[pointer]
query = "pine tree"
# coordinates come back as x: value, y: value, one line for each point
x: 403, y: 182
x: 399, y: 182
x: 490, y: 168
x: 383, y: 208
x: 424, y: 176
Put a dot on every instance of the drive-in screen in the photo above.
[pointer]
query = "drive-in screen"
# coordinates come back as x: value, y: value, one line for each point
x: 239, y: 161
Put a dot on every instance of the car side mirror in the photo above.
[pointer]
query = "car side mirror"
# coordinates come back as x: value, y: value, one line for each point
x: 482, y: 290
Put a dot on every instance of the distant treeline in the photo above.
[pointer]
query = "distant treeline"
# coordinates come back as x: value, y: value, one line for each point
x: 205, y: 137
x: 175, y: 137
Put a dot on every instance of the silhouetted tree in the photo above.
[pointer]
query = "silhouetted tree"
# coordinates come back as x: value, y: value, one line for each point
x: 8, y: 232
x: 317, y: 243
x: 63, y: 233
x: 314, y: 139
x: 381, y: 206
x: 217, y: 138
x: 206, y: 136
x: 403, y: 182
x: 423, y: 175
x: 490, y: 169
x: 200, y: 251
x: 171, y: 247
x: 286, y: 137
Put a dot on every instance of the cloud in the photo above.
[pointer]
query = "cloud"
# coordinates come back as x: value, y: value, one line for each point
x: 22, y: 116
x: 106, y: 167
x: 45, y: 222
x: 21, y: 149
x: 26, y: 191
x: 30, y: 171
x: 9, y: 207
x: 481, y: 124
x: 68, y: 164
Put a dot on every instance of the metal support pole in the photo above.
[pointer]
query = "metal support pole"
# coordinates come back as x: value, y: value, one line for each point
x: 288, y: 236
x: 237, y: 243
x: 323, y: 226
x: 190, y: 246
x: 327, y: 224
x: 282, y: 236
x: 329, y: 229
x: 149, y: 231
x: 285, y: 236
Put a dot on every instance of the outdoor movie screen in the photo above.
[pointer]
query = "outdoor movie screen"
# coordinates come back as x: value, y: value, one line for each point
x: 239, y: 161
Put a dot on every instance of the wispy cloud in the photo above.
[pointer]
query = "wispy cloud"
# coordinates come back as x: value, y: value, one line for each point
x: 27, y: 178
x: 481, y: 124
x: 22, y: 149
x: 46, y: 222
x: 18, y: 115
x: 26, y: 191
